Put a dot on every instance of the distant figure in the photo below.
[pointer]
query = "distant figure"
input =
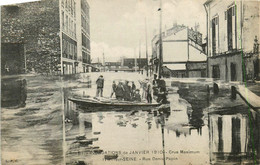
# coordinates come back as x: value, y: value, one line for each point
x: 144, y: 88
x: 127, y: 93
x: 162, y: 91
x: 133, y: 88
x: 100, y: 86
x: 149, y: 93
x: 120, y: 91
x: 161, y: 84
x: 155, y: 85
x: 154, y: 79
x: 113, y: 89
x: 137, y: 96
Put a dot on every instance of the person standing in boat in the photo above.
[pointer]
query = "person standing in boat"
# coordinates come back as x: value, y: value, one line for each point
x: 162, y: 91
x: 100, y: 86
x: 149, y: 93
x: 113, y: 89
x: 133, y: 89
x: 127, y: 93
x: 155, y: 85
x: 119, y: 92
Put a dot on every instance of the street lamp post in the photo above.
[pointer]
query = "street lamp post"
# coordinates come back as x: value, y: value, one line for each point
x: 160, y: 41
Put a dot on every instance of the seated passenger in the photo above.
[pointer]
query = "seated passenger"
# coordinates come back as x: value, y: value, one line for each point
x: 137, y: 96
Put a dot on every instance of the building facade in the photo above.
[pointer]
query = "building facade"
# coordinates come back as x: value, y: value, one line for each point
x: 182, y: 50
x: 232, y: 30
x: 47, y: 37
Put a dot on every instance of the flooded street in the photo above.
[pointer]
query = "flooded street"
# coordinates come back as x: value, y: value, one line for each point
x: 199, y: 127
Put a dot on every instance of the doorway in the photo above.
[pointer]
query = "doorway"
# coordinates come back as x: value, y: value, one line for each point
x: 233, y: 72
x: 215, y: 72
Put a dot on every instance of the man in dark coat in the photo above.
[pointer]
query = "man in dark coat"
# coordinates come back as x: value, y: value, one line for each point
x: 133, y: 89
x: 120, y: 91
x: 100, y: 86
x: 127, y: 93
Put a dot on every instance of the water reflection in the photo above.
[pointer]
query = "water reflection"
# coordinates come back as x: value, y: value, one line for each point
x: 167, y: 136
x: 14, y: 92
x: 231, y: 138
x: 111, y: 135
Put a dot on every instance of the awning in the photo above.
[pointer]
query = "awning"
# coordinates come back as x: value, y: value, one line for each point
x: 176, y: 66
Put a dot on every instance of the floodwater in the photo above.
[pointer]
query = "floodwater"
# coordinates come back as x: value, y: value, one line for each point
x: 198, y: 128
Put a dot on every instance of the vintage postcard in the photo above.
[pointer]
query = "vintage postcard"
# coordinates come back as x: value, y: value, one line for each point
x: 130, y: 82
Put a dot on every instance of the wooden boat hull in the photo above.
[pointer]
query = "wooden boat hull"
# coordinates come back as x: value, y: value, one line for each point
x: 96, y: 105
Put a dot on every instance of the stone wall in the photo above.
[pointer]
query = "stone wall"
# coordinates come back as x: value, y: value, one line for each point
x: 36, y: 25
x: 196, y: 69
x: 224, y: 64
x: 252, y: 67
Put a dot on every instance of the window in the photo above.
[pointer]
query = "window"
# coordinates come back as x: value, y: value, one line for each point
x: 71, y: 7
x: 233, y: 72
x: 75, y: 52
x: 66, y: 23
x: 69, y: 25
x: 62, y: 20
x: 231, y: 28
x: 74, y: 9
x: 84, y: 40
x: 215, y: 35
x: 75, y: 29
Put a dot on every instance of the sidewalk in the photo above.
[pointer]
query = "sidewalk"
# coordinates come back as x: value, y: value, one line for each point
x: 255, y: 88
x: 250, y: 95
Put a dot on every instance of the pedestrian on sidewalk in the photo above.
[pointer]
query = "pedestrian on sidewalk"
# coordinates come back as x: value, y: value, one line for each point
x: 100, y: 86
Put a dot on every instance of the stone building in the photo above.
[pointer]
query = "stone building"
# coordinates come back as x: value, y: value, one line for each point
x: 47, y: 36
x: 183, y: 50
x: 232, y: 30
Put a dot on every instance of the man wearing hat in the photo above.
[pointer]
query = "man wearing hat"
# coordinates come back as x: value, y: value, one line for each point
x: 100, y: 86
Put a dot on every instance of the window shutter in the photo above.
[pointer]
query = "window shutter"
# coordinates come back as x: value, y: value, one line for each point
x: 235, y: 10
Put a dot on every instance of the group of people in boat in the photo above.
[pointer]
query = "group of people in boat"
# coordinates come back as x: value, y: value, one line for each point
x: 123, y: 90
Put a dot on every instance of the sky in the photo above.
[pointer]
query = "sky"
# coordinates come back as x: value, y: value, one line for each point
x: 117, y: 27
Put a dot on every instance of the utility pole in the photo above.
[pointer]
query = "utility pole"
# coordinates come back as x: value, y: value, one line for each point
x: 160, y: 41
x: 139, y: 63
x: 104, y: 63
x: 135, y: 61
x: 146, y: 48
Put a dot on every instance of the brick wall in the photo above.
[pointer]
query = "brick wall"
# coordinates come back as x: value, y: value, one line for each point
x: 36, y: 25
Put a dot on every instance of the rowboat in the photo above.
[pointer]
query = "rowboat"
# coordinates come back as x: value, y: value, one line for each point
x: 103, y: 104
